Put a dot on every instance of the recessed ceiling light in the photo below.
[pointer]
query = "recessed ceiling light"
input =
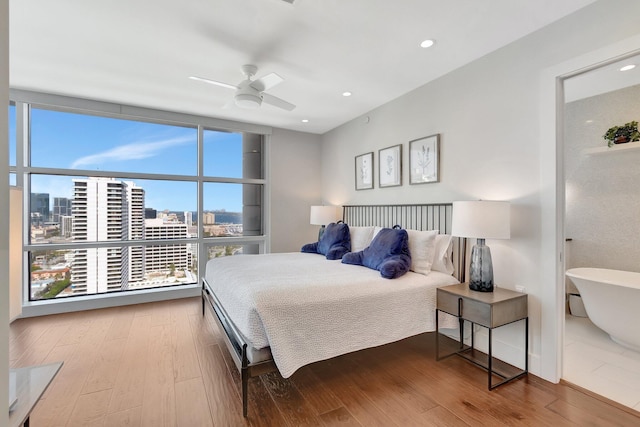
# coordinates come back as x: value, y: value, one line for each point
x: 427, y: 43
x: 305, y: 120
x: 628, y: 67
x: 347, y: 93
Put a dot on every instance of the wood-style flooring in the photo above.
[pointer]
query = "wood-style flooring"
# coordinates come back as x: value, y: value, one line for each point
x: 163, y: 364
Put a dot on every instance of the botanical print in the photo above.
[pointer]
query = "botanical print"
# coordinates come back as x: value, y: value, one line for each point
x: 423, y: 160
x: 390, y: 166
x: 389, y: 170
x: 364, y: 171
x: 425, y: 163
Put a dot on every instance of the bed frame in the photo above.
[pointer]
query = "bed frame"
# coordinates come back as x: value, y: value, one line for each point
x: 418, y: 217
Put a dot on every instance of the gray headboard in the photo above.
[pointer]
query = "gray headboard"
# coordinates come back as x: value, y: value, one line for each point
x: 431, y: 216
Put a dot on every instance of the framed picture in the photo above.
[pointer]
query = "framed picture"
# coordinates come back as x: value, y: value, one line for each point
x: 364, y: 171
x: 390, y: 166
x: 424, y: 160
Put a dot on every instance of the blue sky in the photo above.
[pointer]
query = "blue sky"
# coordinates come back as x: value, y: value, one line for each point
x: 74, y: 141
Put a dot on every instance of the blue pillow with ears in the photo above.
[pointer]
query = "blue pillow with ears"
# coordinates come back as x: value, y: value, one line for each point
x: 334, y: 243
x: 387, y: 253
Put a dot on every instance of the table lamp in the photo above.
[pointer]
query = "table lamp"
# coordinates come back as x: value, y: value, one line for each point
x: 323, y: 215
x: 482, y: 220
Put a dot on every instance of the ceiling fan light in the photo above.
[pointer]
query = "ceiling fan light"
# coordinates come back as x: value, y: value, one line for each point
x: 247, y: 100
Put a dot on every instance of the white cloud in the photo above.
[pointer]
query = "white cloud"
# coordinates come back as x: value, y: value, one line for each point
x: 133, y: 151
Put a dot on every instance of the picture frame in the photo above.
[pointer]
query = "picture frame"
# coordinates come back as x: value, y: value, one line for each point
x: 390, y: 166
x: 424, y: 160
x: 364, y: 171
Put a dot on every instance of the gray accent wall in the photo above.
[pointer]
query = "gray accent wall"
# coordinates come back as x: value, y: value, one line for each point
x: 295, y: 186
x: 602, y: 190
x: 494, y: 117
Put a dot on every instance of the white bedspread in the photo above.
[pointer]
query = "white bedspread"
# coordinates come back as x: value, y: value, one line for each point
x: 307, y: 308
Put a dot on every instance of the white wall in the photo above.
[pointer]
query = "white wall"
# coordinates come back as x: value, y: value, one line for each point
x: 4, y: 210
x: 602, y: 191
x: 489, y: 117
x: 295, y: 186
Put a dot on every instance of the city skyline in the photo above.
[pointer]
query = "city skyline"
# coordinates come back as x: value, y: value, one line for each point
x: 228, y: 195
x: 106, y: 209
x: 119, y: 145
x: 55, y: 210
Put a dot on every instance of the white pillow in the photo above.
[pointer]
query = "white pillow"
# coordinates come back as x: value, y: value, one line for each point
x: 443, y: 254
x: 360, y: 238
x: 422, y: 247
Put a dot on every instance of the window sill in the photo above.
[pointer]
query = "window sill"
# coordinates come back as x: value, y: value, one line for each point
x: 93, y: 302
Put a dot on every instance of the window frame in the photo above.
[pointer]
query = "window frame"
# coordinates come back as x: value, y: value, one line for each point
x: 24, y: 101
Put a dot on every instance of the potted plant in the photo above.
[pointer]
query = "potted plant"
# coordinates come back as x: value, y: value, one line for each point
x: 621, y: 134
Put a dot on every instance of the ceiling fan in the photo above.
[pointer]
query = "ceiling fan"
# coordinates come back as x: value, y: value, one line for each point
x: 251, y: 93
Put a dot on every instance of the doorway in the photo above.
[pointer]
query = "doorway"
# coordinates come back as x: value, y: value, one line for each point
x: 600, y: 218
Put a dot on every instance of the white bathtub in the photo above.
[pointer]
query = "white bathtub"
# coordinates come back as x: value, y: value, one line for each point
x: 612, y: 301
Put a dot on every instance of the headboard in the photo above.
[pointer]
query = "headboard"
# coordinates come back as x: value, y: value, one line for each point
x: 431, y: 216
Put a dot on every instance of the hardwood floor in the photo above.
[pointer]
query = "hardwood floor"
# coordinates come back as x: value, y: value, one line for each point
x: 162, y: 364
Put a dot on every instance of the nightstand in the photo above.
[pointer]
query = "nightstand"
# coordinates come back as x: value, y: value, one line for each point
x: 490, y: 310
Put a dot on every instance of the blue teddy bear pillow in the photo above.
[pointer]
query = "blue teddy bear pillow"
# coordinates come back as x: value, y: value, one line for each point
x: 334, y: 243
x: 387, y: 253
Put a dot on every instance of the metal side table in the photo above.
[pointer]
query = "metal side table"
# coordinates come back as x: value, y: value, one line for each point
x: 490, y: 310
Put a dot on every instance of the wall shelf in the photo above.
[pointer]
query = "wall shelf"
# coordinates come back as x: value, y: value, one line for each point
x: 616, y: 148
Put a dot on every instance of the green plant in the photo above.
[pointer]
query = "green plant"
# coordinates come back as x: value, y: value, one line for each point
x: 618, y: 134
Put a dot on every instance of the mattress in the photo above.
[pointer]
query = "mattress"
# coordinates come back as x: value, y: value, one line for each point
x: 306, y: 308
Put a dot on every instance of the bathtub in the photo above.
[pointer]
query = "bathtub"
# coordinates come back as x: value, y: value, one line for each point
x: 612, y: 301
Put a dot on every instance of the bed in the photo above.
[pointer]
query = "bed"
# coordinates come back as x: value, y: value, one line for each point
x: 284, y: 311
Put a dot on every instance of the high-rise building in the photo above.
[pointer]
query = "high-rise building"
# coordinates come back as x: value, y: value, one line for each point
x: 40, y: 205
x: 188, y: 218
x: 61, y: 207
x: 105, y: 209
x: 66, y: 225
x: 165, y: 257
x: 150, y: 213
x: 135, y: 206
x: 208, y: 218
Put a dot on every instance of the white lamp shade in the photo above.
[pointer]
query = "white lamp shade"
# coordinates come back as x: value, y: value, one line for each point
x: 323, y: 215
x: 481, y: 219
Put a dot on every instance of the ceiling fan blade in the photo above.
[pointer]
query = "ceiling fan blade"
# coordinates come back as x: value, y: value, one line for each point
x: 266, y: 82
x: 213, y: 82
x: 229, y: 104
x: 277, y: 102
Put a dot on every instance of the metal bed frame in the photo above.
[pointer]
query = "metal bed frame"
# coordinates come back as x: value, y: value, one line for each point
x: 433, y: 216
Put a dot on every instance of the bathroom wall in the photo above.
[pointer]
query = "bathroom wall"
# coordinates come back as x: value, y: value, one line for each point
x: 602, y: 190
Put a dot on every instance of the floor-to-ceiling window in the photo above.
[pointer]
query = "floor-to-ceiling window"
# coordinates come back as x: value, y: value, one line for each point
x: 120, y: 202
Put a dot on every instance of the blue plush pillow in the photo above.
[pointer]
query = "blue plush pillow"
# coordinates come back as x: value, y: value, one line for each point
x: 388, y: 253
x: 334, y: 243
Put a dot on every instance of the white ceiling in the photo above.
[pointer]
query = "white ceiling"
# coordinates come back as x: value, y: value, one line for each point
x: 141, y: 52
x: 603, y: 79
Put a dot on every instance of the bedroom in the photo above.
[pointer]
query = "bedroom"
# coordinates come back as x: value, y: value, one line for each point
x: 494, y: 146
